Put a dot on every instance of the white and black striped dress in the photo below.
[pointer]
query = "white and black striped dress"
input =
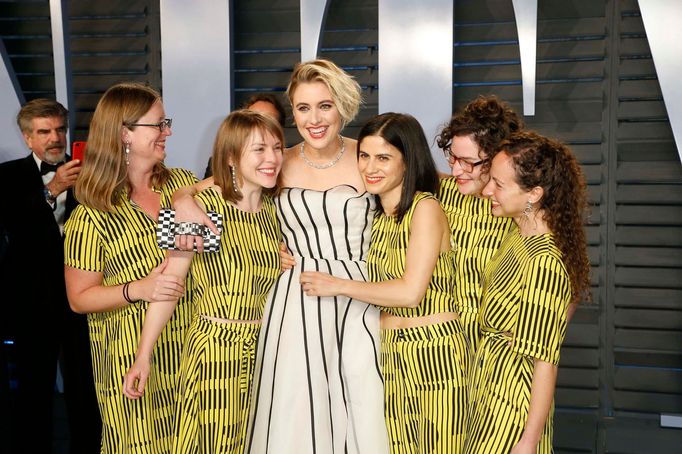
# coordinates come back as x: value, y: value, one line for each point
x: 317, y: 386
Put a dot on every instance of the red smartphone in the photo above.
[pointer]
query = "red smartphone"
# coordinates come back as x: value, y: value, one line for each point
x: 78, y: 150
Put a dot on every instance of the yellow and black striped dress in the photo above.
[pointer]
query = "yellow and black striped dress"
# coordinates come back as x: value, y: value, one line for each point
x: 477, y: 234
x: 122, y: 246
x: 424, y: 368
x: 526, y: 293
x: 214, y: 388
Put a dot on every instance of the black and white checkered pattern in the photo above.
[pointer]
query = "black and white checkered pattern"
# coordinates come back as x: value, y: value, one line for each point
x: 166, y: 227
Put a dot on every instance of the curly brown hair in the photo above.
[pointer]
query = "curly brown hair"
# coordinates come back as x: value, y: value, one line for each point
x: 549, y: 164
x: 487, y: 119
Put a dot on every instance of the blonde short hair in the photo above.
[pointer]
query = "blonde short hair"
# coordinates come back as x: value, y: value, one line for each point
x: 346, y: 92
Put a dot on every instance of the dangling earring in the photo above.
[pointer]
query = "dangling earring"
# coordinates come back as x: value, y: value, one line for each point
x: 234, y: 179
x: 127, y: 151
x: 528, y: 210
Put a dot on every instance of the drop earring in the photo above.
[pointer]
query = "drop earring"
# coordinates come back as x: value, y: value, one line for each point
x: 528, y: 210
x: 234, y: 179
x: 127, y: 152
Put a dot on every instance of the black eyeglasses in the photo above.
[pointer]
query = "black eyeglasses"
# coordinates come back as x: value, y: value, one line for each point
x: 162, y: 125
x: 463, y: 163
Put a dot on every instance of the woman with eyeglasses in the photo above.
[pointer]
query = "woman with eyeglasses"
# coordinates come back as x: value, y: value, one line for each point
x: 468, y: 140
x: 540, y: 269
x: 229, y: 293
x: 114, y: 266
x: 424, y: 350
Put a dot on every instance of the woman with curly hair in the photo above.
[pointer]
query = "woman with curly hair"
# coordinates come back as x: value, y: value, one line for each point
x: 471, y: 136
x: 539, y: 270
x: 228, y: 294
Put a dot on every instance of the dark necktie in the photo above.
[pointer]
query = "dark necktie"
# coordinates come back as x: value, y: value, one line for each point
x: 47, y: 167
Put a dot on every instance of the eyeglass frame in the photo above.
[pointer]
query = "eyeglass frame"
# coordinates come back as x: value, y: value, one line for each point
x: 162, y: 125
x: 470, y: 166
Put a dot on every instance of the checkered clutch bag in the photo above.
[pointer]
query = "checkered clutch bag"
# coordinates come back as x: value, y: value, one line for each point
x: 167, y: 228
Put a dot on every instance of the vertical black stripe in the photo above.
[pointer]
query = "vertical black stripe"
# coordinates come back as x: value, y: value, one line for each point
x: 307, y: 360
x: 122, y: 246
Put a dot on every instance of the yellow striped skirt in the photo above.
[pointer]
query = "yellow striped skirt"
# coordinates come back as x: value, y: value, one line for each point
x: 214, y: 387
x: 425, y: 370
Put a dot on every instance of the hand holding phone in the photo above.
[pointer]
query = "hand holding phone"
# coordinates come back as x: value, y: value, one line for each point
x: 78, y: 150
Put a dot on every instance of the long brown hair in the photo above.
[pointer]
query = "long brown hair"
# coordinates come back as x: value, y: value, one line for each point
x: 230, y: 141
x: 549, y: 164
x: 104, y: 177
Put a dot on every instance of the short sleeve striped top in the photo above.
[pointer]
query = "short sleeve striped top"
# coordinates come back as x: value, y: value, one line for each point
x: 477, y: 234
x: 234, y: 282
x: 527, y: 291
x: 386, y: 261
x: 121, y: 244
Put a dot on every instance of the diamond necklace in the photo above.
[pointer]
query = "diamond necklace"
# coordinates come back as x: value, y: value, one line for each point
x: 326, y: 165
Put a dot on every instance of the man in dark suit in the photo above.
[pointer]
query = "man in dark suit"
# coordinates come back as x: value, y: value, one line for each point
x: 35, y: 201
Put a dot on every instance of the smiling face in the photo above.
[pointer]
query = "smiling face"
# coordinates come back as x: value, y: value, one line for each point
x: 464, y: 154
x: 47, y: 138
x: 316, y: 115
x: 382, y: 168
x: 508, y: 198
x: 260, y: 162
x: 148, y: 143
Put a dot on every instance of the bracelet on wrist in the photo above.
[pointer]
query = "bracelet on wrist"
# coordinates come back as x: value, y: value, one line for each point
x: 189, y: 228
x: 51, y: 198
x: 126, y: 293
